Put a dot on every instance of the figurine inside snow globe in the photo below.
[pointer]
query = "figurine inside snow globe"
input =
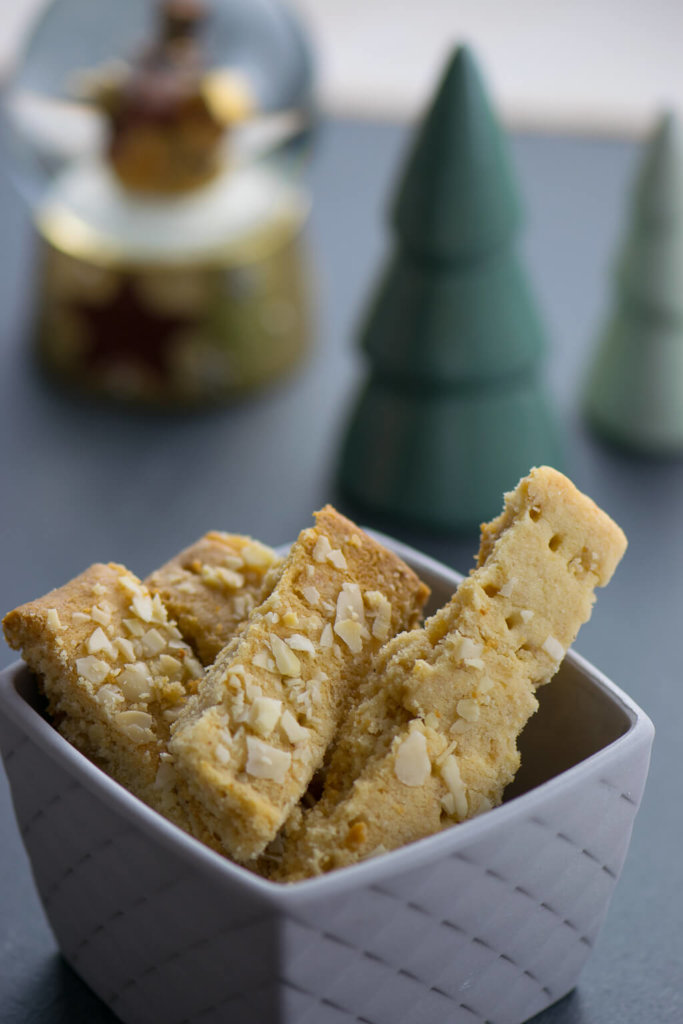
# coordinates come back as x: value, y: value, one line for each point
x: 161, y: 147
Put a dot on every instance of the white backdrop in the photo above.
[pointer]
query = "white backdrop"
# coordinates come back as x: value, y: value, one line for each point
x: 585, y: 65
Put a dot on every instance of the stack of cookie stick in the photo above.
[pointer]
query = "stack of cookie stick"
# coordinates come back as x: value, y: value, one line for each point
x: 120, y: 672
x: 434, y: 739
x: 217, y: 688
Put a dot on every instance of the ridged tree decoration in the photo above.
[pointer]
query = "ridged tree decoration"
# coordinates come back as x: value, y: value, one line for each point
x: 634, y: 391
x: 453, y: 411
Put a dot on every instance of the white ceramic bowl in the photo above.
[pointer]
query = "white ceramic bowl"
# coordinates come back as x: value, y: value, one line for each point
x: 490, y: 921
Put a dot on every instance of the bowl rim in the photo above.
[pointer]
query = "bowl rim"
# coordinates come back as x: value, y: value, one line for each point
x: 638, y: 734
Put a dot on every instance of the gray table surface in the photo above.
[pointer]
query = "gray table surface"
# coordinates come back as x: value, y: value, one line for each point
x: 80, y: 484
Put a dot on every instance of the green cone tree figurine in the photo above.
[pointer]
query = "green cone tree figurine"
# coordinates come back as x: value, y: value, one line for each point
x: 453, y: 411
x: 634, y: 391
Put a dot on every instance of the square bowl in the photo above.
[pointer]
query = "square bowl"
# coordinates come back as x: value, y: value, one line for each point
x: 488, y: 921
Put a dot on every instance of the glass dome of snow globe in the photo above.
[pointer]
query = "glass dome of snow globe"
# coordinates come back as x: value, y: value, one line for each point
x: 160, y: 145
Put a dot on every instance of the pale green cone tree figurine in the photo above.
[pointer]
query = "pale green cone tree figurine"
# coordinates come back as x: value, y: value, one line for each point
x: 454, y: 411
x: 634, y: 389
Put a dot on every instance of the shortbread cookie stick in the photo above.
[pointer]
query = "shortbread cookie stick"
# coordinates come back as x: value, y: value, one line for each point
x: 115, y: 671
x: 435, y: 739
x: 249, y: 743
x: 211, y: 587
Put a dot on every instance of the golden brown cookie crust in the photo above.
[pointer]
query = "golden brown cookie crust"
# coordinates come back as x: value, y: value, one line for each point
x: 434, y: 739
x: 211, y: 587
x: 249, y: 743
x: 115, y: 671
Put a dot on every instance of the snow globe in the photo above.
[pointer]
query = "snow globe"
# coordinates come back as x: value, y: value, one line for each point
x: 162, y: 148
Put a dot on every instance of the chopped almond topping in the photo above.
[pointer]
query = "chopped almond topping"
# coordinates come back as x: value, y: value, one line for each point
x: 350, y: 603
x: 297, y: 642
x: 294, y: 732
x: 322, y: 549
x: 160, y: 616
x: 137, y: 725
x: 223, y: 754
x: 131, y: 585
x: 312, y: 595
x: 352, y: 633
x: 285, y: 659
x: 233, y: 561
x: 53, y: 619
x: 221, y: 578
x: 99, y: 641
x: 135, y: 681
x: 468, y: 709
x: 411, y: 763
x: 109, y: 695
x: 101, y: 613
x: 142, y: 607
x: 258, y: 556
x: 263, y: 660
x: 235, y: 681
x: 253, y: 690
x: 553, y: 647
x: 459, y: 725
x: 324, y: 552
x: 450, y: 773
x: 265, y: 714
x: 170, y: 666
x: 293, y: 682
x: 126, y: 648
x: 152, y: 642
x: 134, y: 627
x: 92, y: 669
x: 380, y: 606
x: 468, y: 649
x: 266, y: 762
x: 336, y: 558
x: 350, y: 621
x: 448, y: 804
x: 191, y: 664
